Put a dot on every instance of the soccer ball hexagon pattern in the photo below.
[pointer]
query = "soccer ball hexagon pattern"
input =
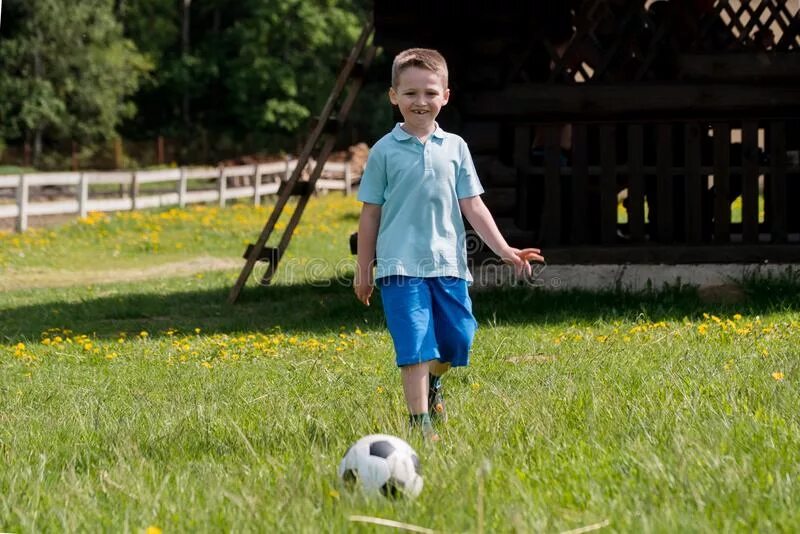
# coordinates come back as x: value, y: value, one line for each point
x: 382, y: 463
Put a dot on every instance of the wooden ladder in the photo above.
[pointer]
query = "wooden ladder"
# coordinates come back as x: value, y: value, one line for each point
x: 325, y: 131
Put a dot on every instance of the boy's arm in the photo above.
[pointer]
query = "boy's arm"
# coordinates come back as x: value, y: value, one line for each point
x: 368, y: 224
x: 481, y: 220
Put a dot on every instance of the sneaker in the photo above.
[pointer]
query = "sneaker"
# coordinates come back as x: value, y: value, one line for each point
x: 436, y: 404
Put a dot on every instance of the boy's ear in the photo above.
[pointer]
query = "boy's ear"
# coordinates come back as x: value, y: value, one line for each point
x: 446, y: 96
x: 392, y: 96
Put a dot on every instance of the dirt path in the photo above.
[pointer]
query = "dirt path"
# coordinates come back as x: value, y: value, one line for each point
x: 42, y: 278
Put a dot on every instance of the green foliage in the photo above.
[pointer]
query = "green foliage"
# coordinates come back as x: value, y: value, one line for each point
x: 252, y: 71
x: 221, y: 77
x: 67, y: 71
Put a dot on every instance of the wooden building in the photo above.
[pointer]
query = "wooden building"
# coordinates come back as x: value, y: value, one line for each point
x: 625, y: 131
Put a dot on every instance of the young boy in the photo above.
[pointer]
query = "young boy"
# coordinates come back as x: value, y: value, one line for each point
x: 418, y: 182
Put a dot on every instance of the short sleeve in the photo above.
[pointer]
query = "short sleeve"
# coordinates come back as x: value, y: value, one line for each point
x: 373, y: 181
x: 467, y: 182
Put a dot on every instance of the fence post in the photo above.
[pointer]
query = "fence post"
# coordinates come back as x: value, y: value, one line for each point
x: 22, y: 203
x: 256, y: 184
x: 83, y: 195
x: 288, y: 172
x: 348, y: 179
x: 182, y: 188
x: 134, y: 191
x: 222, y: 186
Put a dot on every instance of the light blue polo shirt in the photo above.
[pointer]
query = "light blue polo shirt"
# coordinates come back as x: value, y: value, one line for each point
x: 418, y: 186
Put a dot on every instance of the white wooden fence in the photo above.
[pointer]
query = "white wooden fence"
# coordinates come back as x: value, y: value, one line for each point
x: 264, y: 179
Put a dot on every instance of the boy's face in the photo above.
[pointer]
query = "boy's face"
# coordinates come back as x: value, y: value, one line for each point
x: 420, y: 95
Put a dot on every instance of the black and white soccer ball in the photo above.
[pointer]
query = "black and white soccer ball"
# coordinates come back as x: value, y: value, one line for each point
x: 382, y: 463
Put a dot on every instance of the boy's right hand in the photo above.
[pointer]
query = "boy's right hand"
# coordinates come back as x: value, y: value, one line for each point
x: 363, y: 285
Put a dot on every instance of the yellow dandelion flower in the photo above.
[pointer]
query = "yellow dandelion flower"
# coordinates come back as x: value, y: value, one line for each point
x: 87, y: 346
x: 702, y: 329
x: 777, y: 375
x: 197, y: 330
x: 152, y: 530
x: 143, y: 334
x: 475, y: 386
x: 737, y: 317
x: 207, y: 365
x: 20, y: 346
x: 379, y: 389
x: 46, y: 341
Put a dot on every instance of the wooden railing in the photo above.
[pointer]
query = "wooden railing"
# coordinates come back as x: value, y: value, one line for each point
x: 676, y: 181
x: 212, y: 184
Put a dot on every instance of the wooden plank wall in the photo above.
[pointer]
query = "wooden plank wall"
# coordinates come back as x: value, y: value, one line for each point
x: 676, y: 180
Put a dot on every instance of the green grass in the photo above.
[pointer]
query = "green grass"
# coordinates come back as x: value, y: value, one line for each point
x: 14, y: 169
x: 152, y: 403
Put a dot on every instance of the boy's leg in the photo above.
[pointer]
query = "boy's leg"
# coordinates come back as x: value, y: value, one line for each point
x: 455, y: 329
x: 435, y: 397
x: 415, y: 388
x: 407, y: 306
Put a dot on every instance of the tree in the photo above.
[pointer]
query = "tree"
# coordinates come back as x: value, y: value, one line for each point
x: 68, y: 72
x: 250, y: 72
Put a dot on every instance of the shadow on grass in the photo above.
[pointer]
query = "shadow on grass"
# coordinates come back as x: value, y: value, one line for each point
x: 329, y: 306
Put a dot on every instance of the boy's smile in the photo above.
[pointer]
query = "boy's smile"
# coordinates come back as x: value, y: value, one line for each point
x: 420, y: 95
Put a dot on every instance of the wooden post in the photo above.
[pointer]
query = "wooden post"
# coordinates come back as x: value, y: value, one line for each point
x: 348, y: 179
x: 694, y: 188
x: 777, y: 201
x: 288, y: 171
x: 222, y: 186
x: 83, y: 195
x: 256, y: 185
x: 134, y: 191
x: 182, y: 188
x: 663, y: 203
x: 608, y: 184
x: 22, y: 203
x: 26, y: 155
x: 636, y: 182
x: 722, y: 170
x: 750, y: 181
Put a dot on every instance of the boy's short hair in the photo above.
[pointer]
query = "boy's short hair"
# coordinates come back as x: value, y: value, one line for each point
x: 424, y: 58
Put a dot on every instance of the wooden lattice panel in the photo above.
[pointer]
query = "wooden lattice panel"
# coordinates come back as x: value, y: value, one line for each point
x: 635, y: 40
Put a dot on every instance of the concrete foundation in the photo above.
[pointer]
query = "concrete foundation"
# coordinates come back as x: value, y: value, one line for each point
x: 631, y: 277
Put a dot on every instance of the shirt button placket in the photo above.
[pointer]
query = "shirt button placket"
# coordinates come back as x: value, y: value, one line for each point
x: 426, y: 156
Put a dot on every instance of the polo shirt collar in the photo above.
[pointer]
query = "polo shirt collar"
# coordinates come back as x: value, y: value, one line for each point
x: 401, y: 135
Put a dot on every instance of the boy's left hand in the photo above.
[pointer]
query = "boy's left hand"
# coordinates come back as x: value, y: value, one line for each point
x: 521, y: 258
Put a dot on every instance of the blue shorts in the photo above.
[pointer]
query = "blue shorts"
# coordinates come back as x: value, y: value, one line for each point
x: 428, y: 318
